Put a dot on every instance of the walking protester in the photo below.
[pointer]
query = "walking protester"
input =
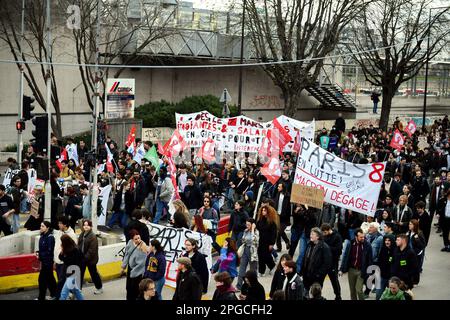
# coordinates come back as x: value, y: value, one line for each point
x: 88, y: 244
x: 155, y: 266
x: 85, y: 206
x: 164, y: 192
x: 420, y: 187
x: 237, y: 222
x: 120, y: 201
x: 70, y: 256
x: 189, y: 286
x: 303, y: 221
x: 207, y: 212
x: 249, y: 203
x: 147, y: 290
x: 134, y: 264
x: 424, y: 220
x: 393, y: 292
x: 402, y: 214
x: 19, y: 196
x: 283, y: 205
x: 228, y: 260
x: 444, y: 220
x: 64, y: 228
x: 191, y: 196
x: 334, y: 241
x: 198, y: 262
x: 385, y: 217
x: 224, y: 288
x: 252, y: 290
x: 292, y: 286
x: 356, y: 258
x: 375, y: 239
x: 318, y: 260
x: 46, y: 278
x: 6, y: 211
x: 249, y: 249
x: 404, y: 261
x: 181, y: 217
x: 417, y: 242
x: 384, y: 262
x: 437, y: 192
x: 267, y: 224
x: 136, y: 224
x: 73, y: 207
x: 279, y: 275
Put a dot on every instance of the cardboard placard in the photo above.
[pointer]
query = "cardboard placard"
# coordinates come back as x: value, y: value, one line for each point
x: 423, y: 143
x: 34, y: 211
x: 307, y: 195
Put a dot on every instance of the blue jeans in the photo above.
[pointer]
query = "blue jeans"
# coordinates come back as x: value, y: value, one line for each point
x: 71, y: 286
x: 159, y: 285
x: 375, y: 106
x: 24, y: 205
x: 296, y: 237
x: 15, y: 226
x: 118, y: 216
x: 160, y: 206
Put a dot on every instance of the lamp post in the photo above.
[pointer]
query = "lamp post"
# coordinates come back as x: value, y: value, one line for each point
x: 427, y: 65
x: 241, y: 59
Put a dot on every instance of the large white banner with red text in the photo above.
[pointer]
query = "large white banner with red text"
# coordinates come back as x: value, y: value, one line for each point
x: 345, y: 184
x: 237, y: 134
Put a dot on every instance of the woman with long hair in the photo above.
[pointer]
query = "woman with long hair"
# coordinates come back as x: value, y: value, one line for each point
x: 279, y: 275
x: 45, y: 256
x: 268, y: 225
x: 252, y: 290
x: 417, y: 242
x: 228, y: 260
x: 250, y: 241
x: 155, y: 266
x: 70, y: 256
x: 198, y: 225
x: 198, y: 261
x: 181, y: 216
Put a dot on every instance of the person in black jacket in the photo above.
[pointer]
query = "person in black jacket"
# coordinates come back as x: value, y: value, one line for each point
x: 279, y: 276
x: 72, y: 210
x: 138, y: 188
x: 404, y: 261
x: 70, y: 256
x: 267, y: 225
x: 424, y: 220
x: 317, y: 262
x: 198, y: 261
x: 224, y: 288
x: 302, y: 223
x: 384, y: 262
x: 444, y: 220
x: 189, y: 285
x: 356, y: 258
x: 252, y: 290
x: 420, y: 186
x: 334, y: 240
x: 120, y: 201
x: 293, y: 286
x: 237, y: 222
x: 137, y: 225
x: 283, y: 206
x: 45, y: 256
x: 192, y: 196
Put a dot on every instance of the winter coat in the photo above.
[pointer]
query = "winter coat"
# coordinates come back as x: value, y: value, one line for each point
x: 385, y: 257
x: 407, y: 216
x: 334, y: 242
x: 295, y: 289
x: 404, y: 265
x: 225, y: 294
x: 376, y: 241
x: 253, y: 293
x: 200, y: 267
x: 228, y: 262
x: 365, y: 262
x: 192, y: 197
x: 286, y: 208
x: 267, y: 232
x: 277, y: 281
x: 46, y: 249
x: 253, y: 245
x: 155, y: 266
x: 319, y: 263
x: 424, y: 225
x: 88, y: 244
x: 167, y: 190
x: 135, y: 259
x: 418, y: 243
x: 189, y: 286
x: 237, y: 221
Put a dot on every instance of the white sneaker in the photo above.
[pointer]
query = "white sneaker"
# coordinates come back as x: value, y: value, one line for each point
x: 98, y: 291
x: 50, y: 298
x: 260, y: 275
x: 271, y: 272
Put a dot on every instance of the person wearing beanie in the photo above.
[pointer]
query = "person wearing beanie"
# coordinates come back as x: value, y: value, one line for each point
x: 237, y: 222
x: 384, y: 262
x: 189, y: 286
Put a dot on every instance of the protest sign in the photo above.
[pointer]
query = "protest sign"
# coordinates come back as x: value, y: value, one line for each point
x: 345, y: 184
x: 9, y: 174
x: 34, y: 211
x: 172, y: 240
x: 72, y: 153
x: 423, y: 142
x: 312, y: 197
x: 103, y: 197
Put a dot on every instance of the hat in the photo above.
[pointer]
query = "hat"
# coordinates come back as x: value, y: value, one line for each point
x: 184, y: 260
x: 250, y: 195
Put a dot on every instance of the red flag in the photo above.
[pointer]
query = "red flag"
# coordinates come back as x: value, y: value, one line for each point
x: 271, y: 170
x: 173, y: 176
x: 207, y: 151
x: 280, y: 138
x: 131, y: 137
x: 62, y: 156
x: 266, y: 145
x: 411, y: 128
x: 297, y: 143
x: 161, y: 148
x: 175, y: 145
x: 109, y: 158
x: 397, y: 140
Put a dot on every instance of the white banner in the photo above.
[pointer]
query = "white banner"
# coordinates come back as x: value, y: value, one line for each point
x: 72, y: 153
x: 104, y: 197
x: 9, y: 174
x: 345, y: 184
x: 172, y: 240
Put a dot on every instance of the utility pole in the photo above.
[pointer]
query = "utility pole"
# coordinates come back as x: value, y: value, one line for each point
x: 426, y: 72
x: 48, y: 188
x: 241, y: 60
x: 20, y: 111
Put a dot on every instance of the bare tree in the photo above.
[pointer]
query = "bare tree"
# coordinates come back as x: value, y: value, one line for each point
x: 284, y: 30
x: 401, y: 28
x: 122, y: 38
x: 33, y: 48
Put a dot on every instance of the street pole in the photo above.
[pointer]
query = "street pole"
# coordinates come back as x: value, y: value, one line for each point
x: 20, y: 111
x: 94, y: 188
x: 241, y: 60
x: 426, y: 72
x: 48, y: 188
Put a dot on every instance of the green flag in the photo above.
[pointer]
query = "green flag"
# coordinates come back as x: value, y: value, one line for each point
x: 152, y: 156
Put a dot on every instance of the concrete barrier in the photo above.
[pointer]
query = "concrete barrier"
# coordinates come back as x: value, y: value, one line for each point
x: 12, y: 245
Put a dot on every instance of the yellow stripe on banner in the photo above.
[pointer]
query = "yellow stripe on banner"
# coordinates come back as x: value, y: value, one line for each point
x: 9, y: 284
x: 221, y: 238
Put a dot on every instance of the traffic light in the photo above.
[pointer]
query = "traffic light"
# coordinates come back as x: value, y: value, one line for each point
x: 41, y: 133
x: 27, y: 107
x: 20, y: 125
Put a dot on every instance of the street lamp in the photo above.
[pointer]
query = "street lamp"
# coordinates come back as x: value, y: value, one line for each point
x: 241, y: 60
x: 427, y: 65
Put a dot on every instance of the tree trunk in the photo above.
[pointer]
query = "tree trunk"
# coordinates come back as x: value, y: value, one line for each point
x: 291, y: 102
x: 386, y: 104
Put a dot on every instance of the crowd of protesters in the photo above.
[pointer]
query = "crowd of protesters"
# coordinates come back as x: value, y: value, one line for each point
x: 331, y: 241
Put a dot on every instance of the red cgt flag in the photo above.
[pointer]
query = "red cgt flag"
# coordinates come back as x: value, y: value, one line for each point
x: 175, y: 144
x: 63, y: 156
x: 207, y: 151
x: 297, y: 143
x: 411, y: 128
x: 280, y: 138
x: 131, y: 137
x: 271, y: 170
x: 398, y: 140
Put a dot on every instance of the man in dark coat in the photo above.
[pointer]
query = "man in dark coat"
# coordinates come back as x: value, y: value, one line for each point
x: 189, y: 285
x: 317, y: 262
x: 138, y: 226
x: 192, y: 196
x: 340, y: 123
x: 424, y: 219
x: 334, y: 240
x: 444, y: 219
x: 437, y: 192
x: 421, y: 189
x: 404, y: 261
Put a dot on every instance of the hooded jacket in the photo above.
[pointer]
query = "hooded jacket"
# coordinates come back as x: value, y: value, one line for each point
x: 385, y: 257
x: 46, y: 249
x: 88, y: 244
